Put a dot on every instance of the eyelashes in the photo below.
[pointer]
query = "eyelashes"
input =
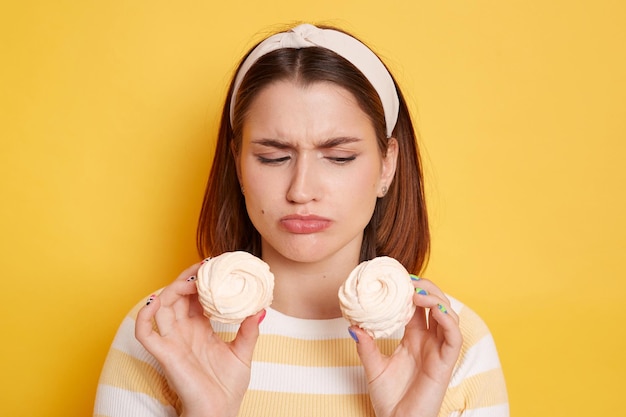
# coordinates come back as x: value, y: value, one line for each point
x: 342, y: 160
x: 277, y: 161
x: 272, y: 161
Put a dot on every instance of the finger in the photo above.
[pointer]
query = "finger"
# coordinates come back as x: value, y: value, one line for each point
x: 176, y: 309
x: 439, y: 313
x: 447, y: 328
x: 195, y: 308
x: 176, y: 295
x: 187, y: 297
x: 425, y: 299
x: 426, y: 287
x: 418, y: 321
x: 247, y: 335
x: 373, y: 361
x: 433, y: 325
x: 144, y: 324
x: 430, y: 287
x: 182, y: 285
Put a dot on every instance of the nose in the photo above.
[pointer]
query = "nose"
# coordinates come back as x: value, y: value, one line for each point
x: 305, y: 183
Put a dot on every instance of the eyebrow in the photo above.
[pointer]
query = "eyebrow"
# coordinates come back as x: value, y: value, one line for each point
x: 326, y: 144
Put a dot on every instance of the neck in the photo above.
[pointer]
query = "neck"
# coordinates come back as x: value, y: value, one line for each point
x: 309, y: 290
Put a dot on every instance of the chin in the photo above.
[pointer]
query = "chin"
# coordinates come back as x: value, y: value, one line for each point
x: 302, y: 253
x: 306, y: 257
x: 312, y: 248
x: 313, y: 255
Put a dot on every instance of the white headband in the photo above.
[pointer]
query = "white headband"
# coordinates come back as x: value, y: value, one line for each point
x: 306, y: 35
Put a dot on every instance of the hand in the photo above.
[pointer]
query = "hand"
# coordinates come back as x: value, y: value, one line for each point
x: 209, y: 375
x: 413, y: 380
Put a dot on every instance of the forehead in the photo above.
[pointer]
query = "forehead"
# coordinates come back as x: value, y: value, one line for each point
x: 321, y: 109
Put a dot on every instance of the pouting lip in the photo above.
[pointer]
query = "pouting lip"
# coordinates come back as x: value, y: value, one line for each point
x: 304, y: 224
x: 305, y: 217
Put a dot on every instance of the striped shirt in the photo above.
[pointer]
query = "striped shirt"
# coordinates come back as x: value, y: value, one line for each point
x: 301, y: 368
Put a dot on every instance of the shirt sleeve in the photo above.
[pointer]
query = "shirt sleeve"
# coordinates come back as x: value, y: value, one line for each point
x: 477, y: 387
x: 132, y: 382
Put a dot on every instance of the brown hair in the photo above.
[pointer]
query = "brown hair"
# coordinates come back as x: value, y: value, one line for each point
x: 399, y: 225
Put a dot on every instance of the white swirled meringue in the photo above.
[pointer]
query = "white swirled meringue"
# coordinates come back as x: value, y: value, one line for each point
x: 378, y: 296
x: 233, y: 286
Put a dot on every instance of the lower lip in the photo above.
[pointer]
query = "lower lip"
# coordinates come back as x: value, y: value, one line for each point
x: 303, y: 226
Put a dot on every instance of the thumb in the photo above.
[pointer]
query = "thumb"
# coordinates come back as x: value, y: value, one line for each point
x: 247, y: 335
x: 373, y: 361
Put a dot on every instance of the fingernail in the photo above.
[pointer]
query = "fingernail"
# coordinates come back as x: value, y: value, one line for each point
x: 421, y: 291
x: 262, y: 316
x: 205, y: 260
x: 150, y: 299
x: 191, y: 278
x: 353, y: 335
x: 414, y: 277
x: 442, y: 308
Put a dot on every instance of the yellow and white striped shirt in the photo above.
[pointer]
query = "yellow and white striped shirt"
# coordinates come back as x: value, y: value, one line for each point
x: 301, y: 368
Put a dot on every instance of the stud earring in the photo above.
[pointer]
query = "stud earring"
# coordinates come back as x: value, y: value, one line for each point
x: 383, y: 190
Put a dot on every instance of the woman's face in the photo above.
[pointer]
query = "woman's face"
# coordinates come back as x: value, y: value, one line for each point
x: 311, y: 171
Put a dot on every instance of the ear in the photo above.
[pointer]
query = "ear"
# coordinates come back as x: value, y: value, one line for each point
x: 390, y: 162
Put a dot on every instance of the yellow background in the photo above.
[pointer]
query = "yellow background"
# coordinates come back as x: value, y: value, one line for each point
x: 108, y: 111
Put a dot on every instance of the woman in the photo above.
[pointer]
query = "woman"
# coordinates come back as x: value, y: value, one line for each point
x: 316, y: 170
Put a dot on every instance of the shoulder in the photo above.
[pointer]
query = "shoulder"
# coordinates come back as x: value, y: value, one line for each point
x: 473, y: 327
x: 477, y: 382
x: 125, y: 340
x: 478, y: 353
x: 126, y: 349
x: 132, y: 381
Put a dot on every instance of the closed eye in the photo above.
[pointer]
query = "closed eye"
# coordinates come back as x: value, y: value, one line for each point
x: 272, y: 161
x: 342, y: 160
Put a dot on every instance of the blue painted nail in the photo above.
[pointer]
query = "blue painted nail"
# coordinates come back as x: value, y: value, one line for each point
x: 420, y: 291
x: 353, y: 335
x: 414, y: 277
x: 442, y: 308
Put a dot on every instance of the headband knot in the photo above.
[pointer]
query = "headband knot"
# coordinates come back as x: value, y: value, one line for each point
x: 300, y: 37
x: 307, y: 35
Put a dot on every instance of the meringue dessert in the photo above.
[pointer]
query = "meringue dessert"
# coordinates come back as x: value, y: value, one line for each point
x: 378, y: 296
x: 233, y: 286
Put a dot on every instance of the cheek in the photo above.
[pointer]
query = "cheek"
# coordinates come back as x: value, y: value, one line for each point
x: 260, y: 191
x: 259, y: 198
x: 257, y: 212
x: 364, y: 183
x: 358, y: 195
